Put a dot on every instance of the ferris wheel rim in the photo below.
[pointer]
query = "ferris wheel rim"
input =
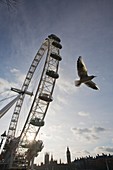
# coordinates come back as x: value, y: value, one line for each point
x: 51, y: 45
x: 53, y: 84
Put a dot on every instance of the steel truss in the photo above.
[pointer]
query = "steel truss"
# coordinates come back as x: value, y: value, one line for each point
x: 22, y: 152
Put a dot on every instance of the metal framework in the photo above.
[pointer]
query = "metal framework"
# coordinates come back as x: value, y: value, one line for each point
x: 15, y: 116
x: 22, y: 152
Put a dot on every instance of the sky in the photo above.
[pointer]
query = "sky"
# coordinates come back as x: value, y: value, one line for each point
x: 79, y: 117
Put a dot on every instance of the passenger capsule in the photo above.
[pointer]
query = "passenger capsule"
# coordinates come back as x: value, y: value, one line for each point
x: 37, y: 122
x: 56, y: 56
x: 52, y: 74
x: 56, y: 44
x: 54, y: 37
x: 45, y: 97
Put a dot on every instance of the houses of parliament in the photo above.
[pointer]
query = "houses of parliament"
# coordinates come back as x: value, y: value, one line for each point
x: 100, y: 162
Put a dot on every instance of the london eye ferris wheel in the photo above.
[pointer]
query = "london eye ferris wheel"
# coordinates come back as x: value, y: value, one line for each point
x: 19, y: 151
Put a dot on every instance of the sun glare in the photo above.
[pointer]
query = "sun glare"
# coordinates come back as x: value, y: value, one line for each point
x: 30, y: 137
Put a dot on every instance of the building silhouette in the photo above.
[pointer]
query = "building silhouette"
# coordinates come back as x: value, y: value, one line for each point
x: 68, y: 154
x: 100, y: 162
x: 46, y: 158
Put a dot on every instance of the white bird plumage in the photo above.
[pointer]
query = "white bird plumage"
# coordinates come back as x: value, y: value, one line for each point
x: 83, y: 74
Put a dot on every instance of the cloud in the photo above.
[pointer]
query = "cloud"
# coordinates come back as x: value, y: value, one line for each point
x: 81, y: 131
x: 83, y: 113
x: 62, y: 99
x: 53, y: 133
x: 104, y: 149
x: 98, y: 129
x: 14, y: 70
x: 82, y: 153
x: 5, y: 85
x: 18, y: 78
x: 91, y: 137
x: 65, y: 84
x: 55, y: 108
x: 18, y: 75
x: 89, y: 134
x: 55, y: 128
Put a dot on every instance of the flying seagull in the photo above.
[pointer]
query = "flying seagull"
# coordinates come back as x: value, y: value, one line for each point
x: 83, y: 74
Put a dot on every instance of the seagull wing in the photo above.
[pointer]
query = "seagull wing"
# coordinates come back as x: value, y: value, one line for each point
x: 81, y: 68
x: 92, y: 85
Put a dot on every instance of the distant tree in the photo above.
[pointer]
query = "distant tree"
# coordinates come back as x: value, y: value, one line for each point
x: 9, y: 3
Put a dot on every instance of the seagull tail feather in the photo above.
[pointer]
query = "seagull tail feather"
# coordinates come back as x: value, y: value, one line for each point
x: 77, y: 83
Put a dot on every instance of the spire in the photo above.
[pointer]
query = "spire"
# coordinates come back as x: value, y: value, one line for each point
x: 51, y: 158
x: 46, y: 158
x: 68, y: 155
